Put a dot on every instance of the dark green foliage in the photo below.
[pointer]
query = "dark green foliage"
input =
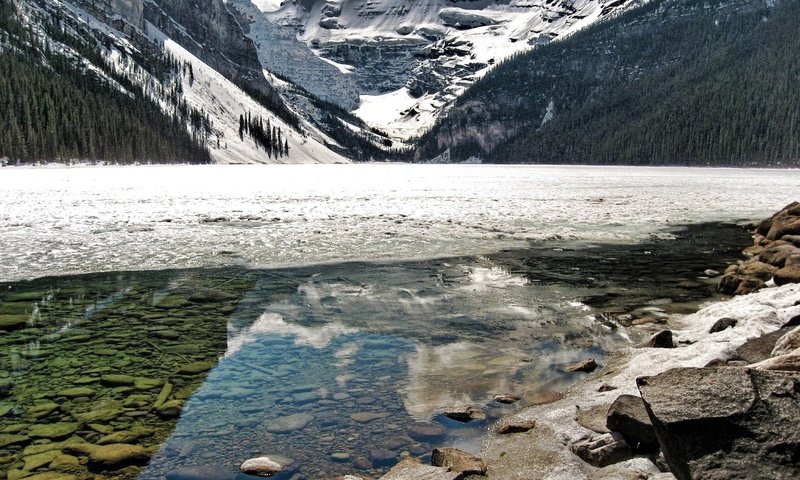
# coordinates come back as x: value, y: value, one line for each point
x: 53, y: 110
x: 686, y: 82
x: 264, y: 135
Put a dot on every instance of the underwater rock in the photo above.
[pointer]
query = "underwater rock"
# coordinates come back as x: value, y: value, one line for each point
x: 53, y: 430
x: 76, y: 392
x: 171, y: 409
x: 100, y: 415
x: 201, y: 472
x: 195, y: 368
x: 425, y: 431
x: 32, y: 462
x: 6, y: 440
x: 289, y: 423
x: 116, y: 456
x: 13, y: 322
x: 41, y: 410
x: 261, y: 467
x: 365, y: 417
x: 117, y: 380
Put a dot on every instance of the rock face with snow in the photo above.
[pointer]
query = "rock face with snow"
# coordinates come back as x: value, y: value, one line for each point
x: 281, y: 53
x: 726, y: 422
x: 430, y: 49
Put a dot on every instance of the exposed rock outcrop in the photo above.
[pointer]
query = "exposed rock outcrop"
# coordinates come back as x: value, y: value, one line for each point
x: 726, y: 423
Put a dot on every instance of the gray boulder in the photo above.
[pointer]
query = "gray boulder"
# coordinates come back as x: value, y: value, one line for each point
x: 628, y: 416
x: 726, y: 422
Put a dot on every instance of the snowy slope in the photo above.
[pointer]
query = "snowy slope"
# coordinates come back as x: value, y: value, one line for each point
x: 430, y: 50
x: 224, y: 102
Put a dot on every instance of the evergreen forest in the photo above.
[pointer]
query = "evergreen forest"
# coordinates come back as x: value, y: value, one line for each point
x: 674, y: 82
x: 53, y: 108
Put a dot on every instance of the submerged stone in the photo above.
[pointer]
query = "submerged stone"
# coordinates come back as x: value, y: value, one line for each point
x: 117, y: 380
x: 115, y: 456
x: 6, y: 440
x: 171, y: 409
x: 13, y: 322
x: 53, y: 430
x: 76, y: 392
x: 195, y: 368
x: 261, y: 467
x: 32, y: 462
x: 289, y: 423
x: 41, y: 410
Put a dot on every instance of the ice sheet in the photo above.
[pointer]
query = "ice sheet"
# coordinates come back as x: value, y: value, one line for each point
x: 82, y: 219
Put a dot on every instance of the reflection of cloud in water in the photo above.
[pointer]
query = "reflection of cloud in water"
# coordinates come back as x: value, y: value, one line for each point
x: 455, y: 374
x: 274, y: 324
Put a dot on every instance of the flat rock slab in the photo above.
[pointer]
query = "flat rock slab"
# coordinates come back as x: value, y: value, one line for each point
x: 116, y: 456
x: 289, y: 423
x: 411, y: 470
x: 726, y: 422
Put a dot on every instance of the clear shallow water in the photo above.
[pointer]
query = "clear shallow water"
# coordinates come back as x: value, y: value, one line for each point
x: 77, y: 220
x: 331, y: 369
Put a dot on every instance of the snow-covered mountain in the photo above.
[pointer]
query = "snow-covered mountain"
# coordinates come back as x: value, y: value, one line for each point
x: 402, y: 62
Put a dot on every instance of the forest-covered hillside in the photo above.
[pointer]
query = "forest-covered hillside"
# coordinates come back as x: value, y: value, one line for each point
x: 686, y: 82
x: 56, y: 107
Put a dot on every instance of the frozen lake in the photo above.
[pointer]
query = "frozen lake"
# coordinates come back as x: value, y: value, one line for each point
x: 74, y: 220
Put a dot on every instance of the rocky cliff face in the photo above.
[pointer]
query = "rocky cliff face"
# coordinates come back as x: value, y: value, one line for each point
x: 434, y: 49
x: 281, y: 53
x: 208, y: 30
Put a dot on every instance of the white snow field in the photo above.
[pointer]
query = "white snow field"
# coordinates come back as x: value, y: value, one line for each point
x: 65, y: 220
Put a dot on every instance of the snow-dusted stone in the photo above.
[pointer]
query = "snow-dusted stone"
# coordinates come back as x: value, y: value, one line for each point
x: 725, y: 422
x: 788, y: 342
x: 260, y: 466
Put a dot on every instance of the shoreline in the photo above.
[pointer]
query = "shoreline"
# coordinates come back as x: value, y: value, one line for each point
x: 577, y: 420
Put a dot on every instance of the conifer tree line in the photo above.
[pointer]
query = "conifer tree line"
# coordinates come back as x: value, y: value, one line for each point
x: 53, y: 109
x: 674, y: 82
x: 265, y: 135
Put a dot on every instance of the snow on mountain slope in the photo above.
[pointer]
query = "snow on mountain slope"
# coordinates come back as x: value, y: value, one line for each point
x: 223, y: 102
x: 429, y: 49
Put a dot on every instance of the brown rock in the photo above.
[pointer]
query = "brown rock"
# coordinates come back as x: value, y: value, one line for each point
x: 464, y: 414
x: 729, y: 283
x: 588, y: 365
x: 604, y: 387
x: 777, y: 254
x: 785, y: 275
x: 506, y: 398
x: 793, y: 260
x: 458, y: 461
x: 749, y: 285
x: 760, y: 270
x: 662, y: 339
x: 722, y: 324
x: 515, y: 427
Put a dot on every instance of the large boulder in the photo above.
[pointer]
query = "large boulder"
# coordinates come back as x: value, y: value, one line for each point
x: 628, y: 416
x: 726, y: 422
x: 760, y: 348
